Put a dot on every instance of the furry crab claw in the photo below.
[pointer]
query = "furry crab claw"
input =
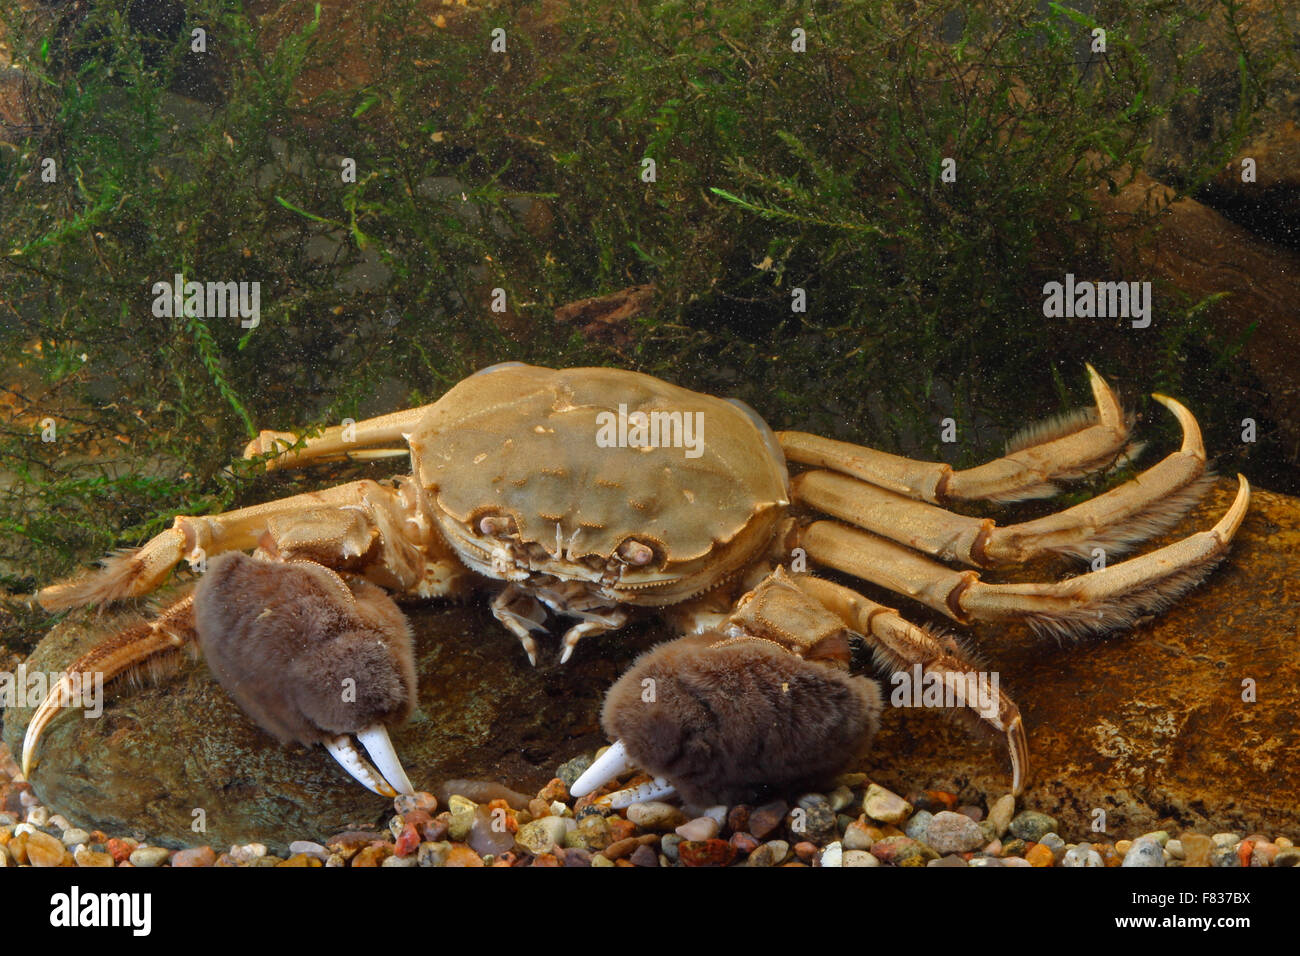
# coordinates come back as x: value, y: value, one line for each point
x: 721, y: 720
x: 311, y: 658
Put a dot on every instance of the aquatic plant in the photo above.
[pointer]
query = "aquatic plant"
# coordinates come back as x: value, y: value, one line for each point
x: 776, y: 167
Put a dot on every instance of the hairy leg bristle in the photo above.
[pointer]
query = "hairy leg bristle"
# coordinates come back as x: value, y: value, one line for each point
x: 111, y: 582
x: 1124, y: 612
x: 1142, y: 526
x: 1050, y: 429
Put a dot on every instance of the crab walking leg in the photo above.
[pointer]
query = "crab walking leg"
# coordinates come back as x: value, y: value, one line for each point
x: 899, y: 645
x: 1138, y: 509
x: 1096, y: 602
x: 520, y: 613
x: 334, y: 526
x: 364, y: 439
x: 1026, y: 473
x: 596, y: 615
x: 134, y: 647
x: 592, y: 624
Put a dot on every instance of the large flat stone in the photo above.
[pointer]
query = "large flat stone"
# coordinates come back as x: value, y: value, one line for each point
x: 159, y: 752
x: 1150, y: 725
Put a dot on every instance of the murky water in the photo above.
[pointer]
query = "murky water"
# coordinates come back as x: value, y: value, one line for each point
x: 400, y: 241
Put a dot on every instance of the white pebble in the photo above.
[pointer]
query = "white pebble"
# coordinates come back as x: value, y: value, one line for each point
x: 840, y: 798
x: 308, y: 848
x: 859, y: 858
x: 718, y: 814
x: 60, y: 821
x: 1082, y: 854
x: 701, y: 828
x: 248, y: 852
x: 833, y: 855
x: 38, y: 816
x: 75, y: 835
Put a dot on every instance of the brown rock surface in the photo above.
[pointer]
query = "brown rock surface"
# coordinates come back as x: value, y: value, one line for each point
x: 159, y: 752
x: 1201, y: 252
x: 1149, y: 726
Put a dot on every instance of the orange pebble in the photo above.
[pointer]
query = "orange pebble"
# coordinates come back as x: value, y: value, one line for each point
x: 408, y: 841
x: 462, y: 855
x: 119, y: 850
x: 949, y: 800
x: 1039, y: 855
x: 620, y: 829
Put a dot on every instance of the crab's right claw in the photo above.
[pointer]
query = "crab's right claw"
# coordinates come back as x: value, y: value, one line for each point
x: 385, y: 776
x: 311, y: 658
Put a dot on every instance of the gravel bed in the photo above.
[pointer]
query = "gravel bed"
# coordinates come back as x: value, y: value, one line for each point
x: 856, y: 823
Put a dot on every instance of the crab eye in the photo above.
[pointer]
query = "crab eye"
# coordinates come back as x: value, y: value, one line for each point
x: 636, y: 553
x: 495, y: 524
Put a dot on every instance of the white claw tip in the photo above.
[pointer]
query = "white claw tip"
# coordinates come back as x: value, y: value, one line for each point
x: 342, y: 750
x: 612, y: 763
x: 377, y: 743
x: 656, y: 789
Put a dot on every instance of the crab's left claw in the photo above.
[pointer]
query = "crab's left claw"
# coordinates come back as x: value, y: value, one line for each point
x: 311, y: 658
x: 613, y: 763
x: 721, y: 721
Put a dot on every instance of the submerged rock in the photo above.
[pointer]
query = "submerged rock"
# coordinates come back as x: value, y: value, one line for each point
x: 1150, y: 725
x: 159, y: 753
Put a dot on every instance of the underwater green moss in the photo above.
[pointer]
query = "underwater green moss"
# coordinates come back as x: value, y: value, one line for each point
x: 774, y: 170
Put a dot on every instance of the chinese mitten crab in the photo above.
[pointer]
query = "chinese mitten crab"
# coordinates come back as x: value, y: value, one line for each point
x: 591, y: 492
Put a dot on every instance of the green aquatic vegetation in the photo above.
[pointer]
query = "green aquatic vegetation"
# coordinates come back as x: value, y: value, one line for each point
x: 775, y: 169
